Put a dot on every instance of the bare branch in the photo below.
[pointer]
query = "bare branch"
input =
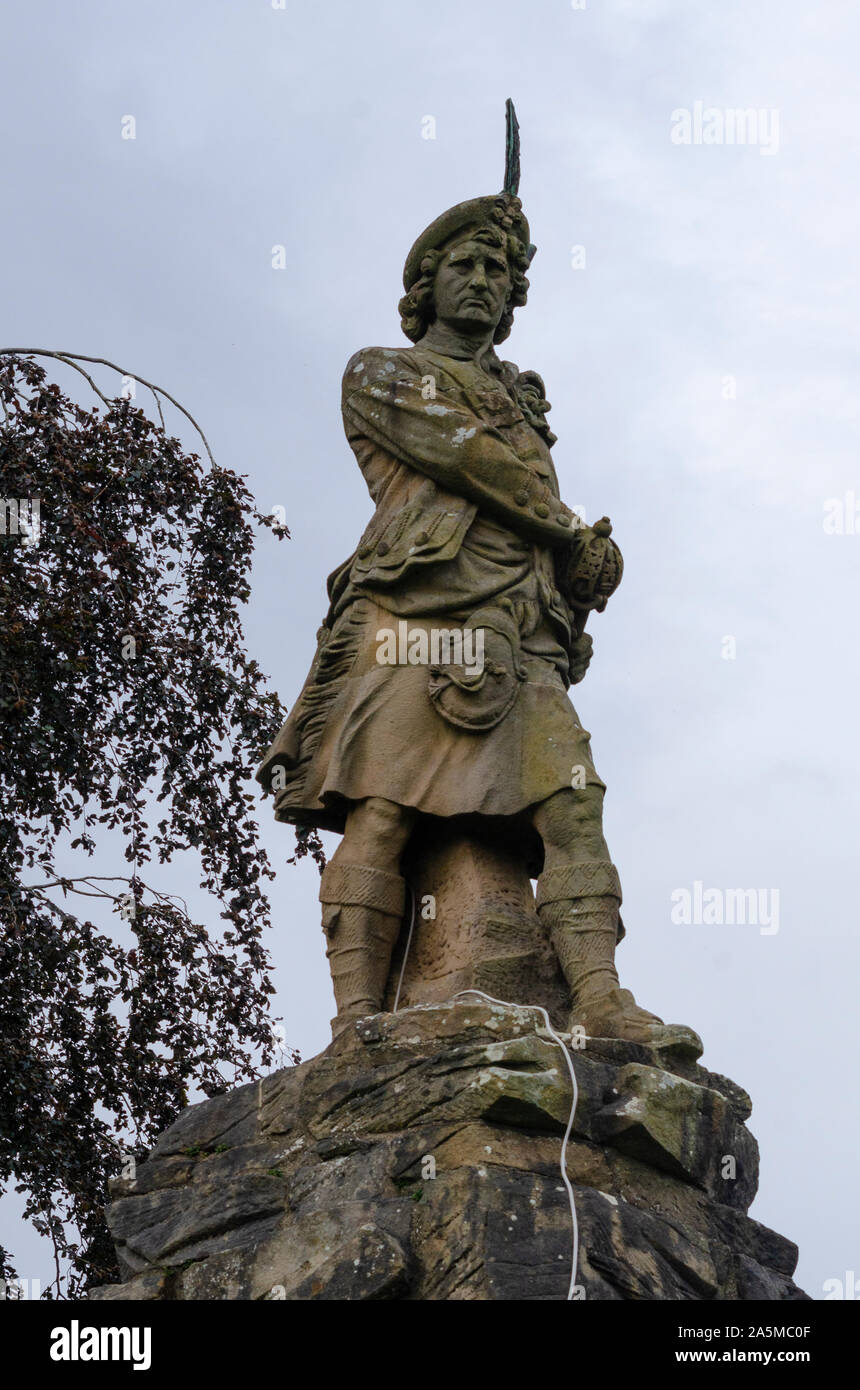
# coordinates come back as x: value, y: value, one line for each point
x: 68, y: 357
x: 157, y: 400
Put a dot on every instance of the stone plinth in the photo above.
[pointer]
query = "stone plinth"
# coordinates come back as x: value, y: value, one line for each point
x: 475, y: 927
x: 417, y: 1159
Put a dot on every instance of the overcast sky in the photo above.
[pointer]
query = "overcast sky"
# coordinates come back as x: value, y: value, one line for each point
x: 702, y: 365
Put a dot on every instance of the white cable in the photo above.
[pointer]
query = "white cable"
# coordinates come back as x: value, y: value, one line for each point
x: 406, y: 952
x: 509, y: 1004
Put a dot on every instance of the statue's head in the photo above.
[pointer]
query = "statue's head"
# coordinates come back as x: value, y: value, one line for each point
x: 467, y: 269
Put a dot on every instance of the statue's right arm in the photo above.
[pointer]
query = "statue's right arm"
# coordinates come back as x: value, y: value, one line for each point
x: 446, y: 441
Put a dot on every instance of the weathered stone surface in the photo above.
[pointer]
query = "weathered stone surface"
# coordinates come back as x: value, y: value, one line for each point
x: 484, y: 933
x: 154, y: 1283
x: 418, y: 1158
x: 685, y: 1129
x: 372, y: 1265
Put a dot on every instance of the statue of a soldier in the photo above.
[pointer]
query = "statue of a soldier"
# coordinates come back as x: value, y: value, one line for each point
x: 469, y: 534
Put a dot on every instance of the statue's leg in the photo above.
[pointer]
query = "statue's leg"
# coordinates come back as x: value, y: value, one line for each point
x: 363, y: 897
x: 579, y: 898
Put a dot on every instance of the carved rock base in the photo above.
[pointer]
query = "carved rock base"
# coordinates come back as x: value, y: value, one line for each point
x: 417, y: 1158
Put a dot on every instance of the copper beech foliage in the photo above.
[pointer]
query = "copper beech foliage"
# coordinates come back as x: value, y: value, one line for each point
x: 131, y: 717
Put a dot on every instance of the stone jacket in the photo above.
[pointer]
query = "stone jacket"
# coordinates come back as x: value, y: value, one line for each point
x: 442, y: 445
x: 438, y: 440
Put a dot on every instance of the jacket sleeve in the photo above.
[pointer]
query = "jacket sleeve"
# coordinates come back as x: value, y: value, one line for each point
x: 445, y: 440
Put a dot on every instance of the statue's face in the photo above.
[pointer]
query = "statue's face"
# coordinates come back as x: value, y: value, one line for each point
x: 472, y: 286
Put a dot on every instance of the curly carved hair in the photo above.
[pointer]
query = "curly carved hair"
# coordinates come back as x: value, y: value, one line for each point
x: 417, y: 310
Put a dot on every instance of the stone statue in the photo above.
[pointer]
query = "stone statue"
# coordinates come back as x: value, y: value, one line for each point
x: 438, y: 693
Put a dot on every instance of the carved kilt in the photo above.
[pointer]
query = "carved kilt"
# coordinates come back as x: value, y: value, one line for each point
x: 437, y: 558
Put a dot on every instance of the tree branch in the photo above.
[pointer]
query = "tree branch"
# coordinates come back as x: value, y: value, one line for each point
x: 71, y: 359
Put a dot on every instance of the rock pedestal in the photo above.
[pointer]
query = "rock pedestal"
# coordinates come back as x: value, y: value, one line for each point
x: 475, y: 927
x: 418, y: 1158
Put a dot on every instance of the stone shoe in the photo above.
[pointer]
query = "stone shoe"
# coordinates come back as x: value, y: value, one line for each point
x: 615, y: 1014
